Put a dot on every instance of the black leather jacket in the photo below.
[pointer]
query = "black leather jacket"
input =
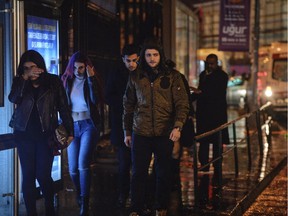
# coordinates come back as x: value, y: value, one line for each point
x: 51, y: 100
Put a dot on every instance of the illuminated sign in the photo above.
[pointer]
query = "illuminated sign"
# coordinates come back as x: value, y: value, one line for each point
x: 234, y: 25
x: 42, y: 36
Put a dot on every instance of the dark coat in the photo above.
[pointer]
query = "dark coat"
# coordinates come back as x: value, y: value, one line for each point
x: 51, y: 99
x: 188, y: 130
x: 115, y: 89
x: 211, y: 105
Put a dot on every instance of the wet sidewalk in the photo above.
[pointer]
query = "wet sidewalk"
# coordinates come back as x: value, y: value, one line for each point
x: 238, y: 192
x: 273, y: 200
x: 233, y: 198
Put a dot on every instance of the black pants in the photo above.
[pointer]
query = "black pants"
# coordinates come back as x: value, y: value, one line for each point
x: 142, y: 149
x: 36, y: 158
x: 204, y: 153
x: 124, y: 158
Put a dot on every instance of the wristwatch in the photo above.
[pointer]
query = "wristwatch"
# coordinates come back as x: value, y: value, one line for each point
x: 179, y: 128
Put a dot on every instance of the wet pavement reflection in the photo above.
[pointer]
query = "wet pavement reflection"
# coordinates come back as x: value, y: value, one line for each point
x: 273, y: 200
x: 214, y: 199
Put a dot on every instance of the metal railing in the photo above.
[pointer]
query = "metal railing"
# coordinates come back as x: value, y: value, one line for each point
x: 262, y: 122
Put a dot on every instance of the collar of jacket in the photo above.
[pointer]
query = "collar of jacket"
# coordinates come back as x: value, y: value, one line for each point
x: 144, y: 73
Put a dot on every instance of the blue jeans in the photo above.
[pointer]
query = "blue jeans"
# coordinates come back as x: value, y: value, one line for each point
x: 142, y: 149
x: 36, y: 158
x: 80, y: 154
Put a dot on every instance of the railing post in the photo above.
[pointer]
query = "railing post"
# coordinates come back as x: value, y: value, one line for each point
x: 218, y: 163
x: 235, y: 151
x: 248, y: 142
x: 269, y: 134
x: 264, y: 115
x: 259, y: 129
x: 195, y: 166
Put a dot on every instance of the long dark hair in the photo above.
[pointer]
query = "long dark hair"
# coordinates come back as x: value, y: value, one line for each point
x: 69, y: 73
x: 31, y: 56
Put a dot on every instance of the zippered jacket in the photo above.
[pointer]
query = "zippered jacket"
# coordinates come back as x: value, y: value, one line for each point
x: 154, y: 108
x: 51, y: 100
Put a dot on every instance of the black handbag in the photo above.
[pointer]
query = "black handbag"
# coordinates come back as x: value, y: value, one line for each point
x: 187, y: 133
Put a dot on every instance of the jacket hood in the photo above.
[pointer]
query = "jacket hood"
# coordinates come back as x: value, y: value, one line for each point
x: 152, y: 43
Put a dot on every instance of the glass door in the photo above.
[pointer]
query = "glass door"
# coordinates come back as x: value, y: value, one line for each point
x: 8, y: 161
x: 7, y: 191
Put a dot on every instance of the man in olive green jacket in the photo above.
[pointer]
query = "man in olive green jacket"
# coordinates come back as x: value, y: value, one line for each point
x: 155, y: 109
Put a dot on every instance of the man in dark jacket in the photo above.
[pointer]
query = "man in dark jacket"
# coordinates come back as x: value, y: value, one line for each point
x: 155, y: 109
x: 116, y: 86
x: 211, y: 107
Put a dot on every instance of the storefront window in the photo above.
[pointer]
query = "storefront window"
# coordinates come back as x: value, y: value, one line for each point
x: 280, y: 70
x: 186, y: 43
x: 182, y: 41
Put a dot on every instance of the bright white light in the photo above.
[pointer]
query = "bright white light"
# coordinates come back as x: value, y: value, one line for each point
x: 268, y: 91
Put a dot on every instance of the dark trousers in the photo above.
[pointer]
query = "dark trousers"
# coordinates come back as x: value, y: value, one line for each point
x: 204, y: 153
x: 204, y: 190
x: 142, y: 149
x: 124, y: 158
x: 36, y: 158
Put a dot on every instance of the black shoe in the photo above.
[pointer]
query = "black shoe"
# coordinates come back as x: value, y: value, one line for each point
x: 50, y: 211
x: 78, y: 200
x: 147, y: 212
x: 84, y: 207
x: 121, y: 203
x: 203, y: 203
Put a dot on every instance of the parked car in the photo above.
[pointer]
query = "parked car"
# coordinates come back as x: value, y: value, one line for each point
x: 236, y: 91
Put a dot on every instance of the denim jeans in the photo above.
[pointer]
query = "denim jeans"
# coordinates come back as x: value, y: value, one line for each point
x: 36, y: 158
x: 80, y: 154
x: 142, y: 149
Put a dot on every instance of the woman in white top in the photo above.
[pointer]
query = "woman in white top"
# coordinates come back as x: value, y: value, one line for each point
x: 84, y: 90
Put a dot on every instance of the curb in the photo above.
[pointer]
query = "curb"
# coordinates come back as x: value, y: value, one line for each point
x: 247, y: 201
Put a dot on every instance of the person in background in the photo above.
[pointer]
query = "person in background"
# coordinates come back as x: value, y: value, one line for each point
x: 211, y: 108
x: 115, y: 89
x: 85, y: 94
x: 155, y: 109
x: 38, y: 97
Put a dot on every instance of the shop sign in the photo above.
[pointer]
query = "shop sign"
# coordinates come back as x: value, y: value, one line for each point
x: 234, y: 25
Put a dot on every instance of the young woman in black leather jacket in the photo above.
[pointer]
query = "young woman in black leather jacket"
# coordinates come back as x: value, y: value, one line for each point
x: 38, y: 97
